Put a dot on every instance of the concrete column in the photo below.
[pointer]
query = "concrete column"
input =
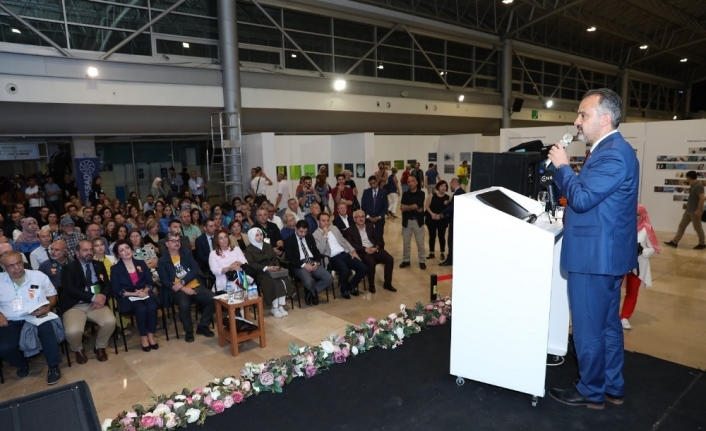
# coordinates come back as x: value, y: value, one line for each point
x: 506, y: 83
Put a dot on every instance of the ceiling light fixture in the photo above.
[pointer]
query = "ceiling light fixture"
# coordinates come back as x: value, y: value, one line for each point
x: 674, y: 118
x: 549, y: 103
x: 591, y: 29
x: 14, y: 30
x: 684, y: 60
x: 507, y: 1
x: 339, y: 84
x: 185, y: 44
x: 294, y: 55
x: 442, y: 73
x: 92, y: 72
x: 461, y: 97
x: 643, y: 46
x: 381, y: 66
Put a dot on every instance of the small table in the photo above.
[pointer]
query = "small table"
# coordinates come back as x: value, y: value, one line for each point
x: 231, y: 334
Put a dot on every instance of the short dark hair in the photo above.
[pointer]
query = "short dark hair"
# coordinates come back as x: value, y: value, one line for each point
x: 691, y: 175
x: 318, y: 217
x: 205, y: 221
x: 301, y: 224
x: 441, y: 183
x: 117, y: 245
x: 340, y: 176
x: 609, y: 102
x: 177, y: 221
x: 372, y: 177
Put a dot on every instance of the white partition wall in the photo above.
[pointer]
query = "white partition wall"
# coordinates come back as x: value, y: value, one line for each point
x: 510, y: 301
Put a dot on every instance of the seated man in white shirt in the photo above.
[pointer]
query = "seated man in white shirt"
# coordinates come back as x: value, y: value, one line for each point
x: 41, y: 253
x: 342, y: 256
x: 273, y: 217
x: 293, y: 208
x: 343, y: 220
x: 34, y: 296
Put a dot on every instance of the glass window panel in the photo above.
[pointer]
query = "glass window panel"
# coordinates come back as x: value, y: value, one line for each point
x: 153, y: 152
x: 395, y: 71
x: 299, y: 62
x: 256, y: 56
x: 532, y: 64
x: 53, y: 30
x: 422, y: 74
x: 106, y: 15
x: 516, y: 87
x: 353, y: 30
x: 396, y: 55
x: 250, y: 13
x: 460, y: 50
x: 365, y: 68
x: 173, y: 47
x: 99, y: 39
x: 310, y: 42
x: 457, y: 79
x: 351, y: 48
x: 257, y: 35
x: 47, y: 9
x: 306, y: 22
x: 193, y: 7
x: 182, y: 25
x: 398, y: 38
x: 420, y: 60
x: 430, y: 44
x: 518, y: 74
x: 489, y: 69
x: 459, y: 65
x: 552, y: 68
x: 569, y: 94
x: 486, y: 83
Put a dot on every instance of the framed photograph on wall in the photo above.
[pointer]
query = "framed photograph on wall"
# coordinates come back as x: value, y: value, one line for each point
x: 282, y: 170
x: 296, y: 171
x: 399, y: 164
x: 449, y: 169
x: 466, y: 157
x: 432, y: 157
x: 349, y: 167
x: 337, y: 168
x: 323, y: 167
x: 360, y: 170
x: 310, y: 170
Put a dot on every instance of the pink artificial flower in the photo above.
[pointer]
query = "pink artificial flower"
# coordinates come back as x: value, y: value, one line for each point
x: 392, y: 316
x: 208, y: 400
x: 198, y: 391
x: 131, y: 415
x: 339, y: 358
x: 238, y: 397
x: 130, y: 428
x: 158, y: 422
x: 126, y: 420
x: 246, y: 386
x: 442, y: 319
x: 361, y: 340
x: 281, y: 379
x: 189, y: 400
x: 346, y: 352
x: 147, y: 421
x: 218, y: 406
x: 429, y: 307
x: 267, y: 379
x: 371, y: 320
x: 310, y: 358
x: 228, y: 401
x: 434, y: 322
x: 170, y: 403
x: 310, y: 371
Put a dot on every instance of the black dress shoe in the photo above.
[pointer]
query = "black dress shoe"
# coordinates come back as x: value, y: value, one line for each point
x: 423, y: 266
x: 372, y: 289
x: 307, y: 298
x: 154, y: 346
x: 390, y: 287
x: 404, y: 264
x: 205, y: 331
x: 314, y: 299
x: 446, y: 263
x: 147, y: 348
x: 355, y: 291
x: 572, y: 397
x: 345, y: 294
x: 617, y: 400
x: 189, y: 337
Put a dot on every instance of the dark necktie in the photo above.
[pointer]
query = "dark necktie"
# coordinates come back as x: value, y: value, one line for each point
x: 48, y: 255
x: 210, y: 242
x: 306, y: 253
x: 89, y: 277
x: 375, y: 197
x: 588, y: 156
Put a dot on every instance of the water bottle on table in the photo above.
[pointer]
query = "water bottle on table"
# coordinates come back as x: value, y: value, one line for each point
x: 230, y: 291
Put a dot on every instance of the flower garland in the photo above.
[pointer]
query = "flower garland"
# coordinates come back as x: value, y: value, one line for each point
x: 194, y: 406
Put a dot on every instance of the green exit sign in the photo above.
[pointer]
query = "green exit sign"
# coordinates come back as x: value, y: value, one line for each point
x: 535, y: 114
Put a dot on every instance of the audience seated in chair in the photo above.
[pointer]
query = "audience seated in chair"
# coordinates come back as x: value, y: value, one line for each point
x: 179, y: 274
x: 85, y: 286
x: 305, y: 262
x: 263, y: 260
x: 363, y: 237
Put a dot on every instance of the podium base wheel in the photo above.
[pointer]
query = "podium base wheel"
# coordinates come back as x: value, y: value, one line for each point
x: 534, y: 401
x: 460, y: 381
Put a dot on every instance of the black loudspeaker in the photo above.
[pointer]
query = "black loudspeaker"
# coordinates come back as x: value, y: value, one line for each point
x: 67, y: 408
x: 517, y: 104
x: 514, y: 171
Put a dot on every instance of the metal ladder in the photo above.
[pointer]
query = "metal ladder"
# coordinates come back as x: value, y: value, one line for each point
x: 225, y: 156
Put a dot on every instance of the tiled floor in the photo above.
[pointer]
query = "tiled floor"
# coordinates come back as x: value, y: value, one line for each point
x: 669, y: 323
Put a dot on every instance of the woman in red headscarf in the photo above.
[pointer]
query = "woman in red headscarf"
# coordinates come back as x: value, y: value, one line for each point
x: 641, y: 276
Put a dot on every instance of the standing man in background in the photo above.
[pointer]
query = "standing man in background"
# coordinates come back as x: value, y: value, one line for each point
x: 197, y: 186
x: 600, y: 242
x: 412, y: 208
x: 432, y: 177
x: 692, y: 213
x: 449, y: 212
x: 463, y: 172
x: 282, y: 192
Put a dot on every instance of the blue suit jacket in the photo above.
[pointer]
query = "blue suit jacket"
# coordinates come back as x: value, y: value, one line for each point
x: 380, y: 207
x: 202, y: 250
x: 600, y: 231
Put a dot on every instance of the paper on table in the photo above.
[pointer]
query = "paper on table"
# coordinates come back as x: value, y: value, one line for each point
x: 36, y: 321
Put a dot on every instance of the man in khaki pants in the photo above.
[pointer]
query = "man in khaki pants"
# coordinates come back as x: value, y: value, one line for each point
x: 85, y: 286
x: 692, y: 213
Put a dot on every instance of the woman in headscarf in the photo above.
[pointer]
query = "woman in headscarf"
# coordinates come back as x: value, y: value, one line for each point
x: 27, y: 241
x: 633, y: 281
x: 263, y: 260
x: 157, y: 189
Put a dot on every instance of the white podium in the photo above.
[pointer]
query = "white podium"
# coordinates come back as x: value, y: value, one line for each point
x: 510, y: 305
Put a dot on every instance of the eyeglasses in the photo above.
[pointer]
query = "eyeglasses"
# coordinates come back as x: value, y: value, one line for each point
x: 18, y: 264
x: 174, y: 240
x: 123, y: 250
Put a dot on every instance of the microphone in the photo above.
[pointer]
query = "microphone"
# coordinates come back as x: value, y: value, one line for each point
x: 565, y: 141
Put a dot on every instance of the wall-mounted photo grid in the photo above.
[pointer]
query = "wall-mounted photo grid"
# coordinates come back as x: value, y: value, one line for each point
x: 677, y: 186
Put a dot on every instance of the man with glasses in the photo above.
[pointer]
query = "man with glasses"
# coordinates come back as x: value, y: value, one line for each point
x: 174, y: 227
x: 273, y: 217
x: 363, y: 237
x: 41, y: 253
x: 270, y: 231
x: 304, y: 262
x: 58, y: 259
x: 179, y: 273
x: 25, y: 294
x: 69, y: 235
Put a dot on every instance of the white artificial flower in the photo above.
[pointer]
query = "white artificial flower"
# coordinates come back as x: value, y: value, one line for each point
x: 177, y: 405
x: 215, y: 394
x: 206, y: 390
x: 419, y: 319
x: 354, y: 350
x: 228, y: 381
x: 192, y: 415
x: 180, y: 397
x: 237, y: 382
x: 327, y: 346
x: 402, y: 307
x: 216, y: 380
x: 399, y: 332
x: 106, y: 424
x: 448, y: 302
x: 161, y: 409
x: 302, y: 349
x: 196, y: 397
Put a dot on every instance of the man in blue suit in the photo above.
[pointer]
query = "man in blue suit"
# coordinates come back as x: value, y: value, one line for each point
x: 600, y: 246
x: 374, y: 205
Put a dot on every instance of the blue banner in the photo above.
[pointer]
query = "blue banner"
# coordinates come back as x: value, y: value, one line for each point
x: 86, y: 170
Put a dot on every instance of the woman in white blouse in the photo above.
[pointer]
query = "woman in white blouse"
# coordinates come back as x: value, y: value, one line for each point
x: 224, y: 258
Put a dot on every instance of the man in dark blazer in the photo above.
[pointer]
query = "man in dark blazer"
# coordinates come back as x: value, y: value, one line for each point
x: 363, y: 237
x: 305, y: 262
x: 374, y: 204
x: 600, y: 234
x: 174, y: 226
x: 85, y: 287
x: 343, y: 220
x: 179, y: 273
x: 204, y: 244
x: 449, y: 213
